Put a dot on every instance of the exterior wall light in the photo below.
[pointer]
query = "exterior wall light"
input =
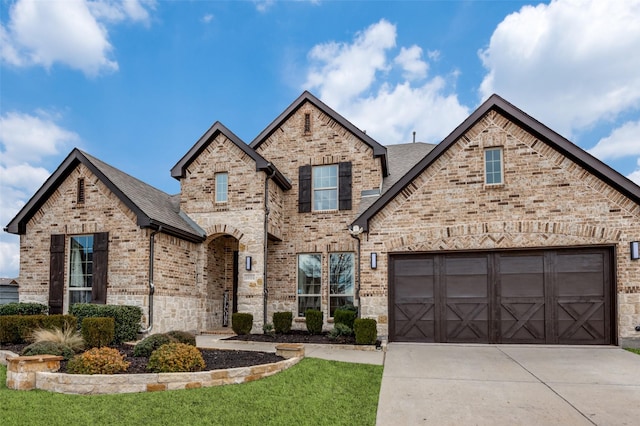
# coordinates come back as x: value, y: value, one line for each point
x: 634, y: 248
x: 374, y: 260
x: 248, y: 263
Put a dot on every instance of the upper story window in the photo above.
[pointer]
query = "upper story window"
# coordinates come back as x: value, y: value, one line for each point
x: 325, y: 187
x: 222, y: 187
x: 493, y: 171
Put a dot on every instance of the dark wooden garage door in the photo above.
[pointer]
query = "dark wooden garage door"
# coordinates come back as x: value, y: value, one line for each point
x: 539, y: 296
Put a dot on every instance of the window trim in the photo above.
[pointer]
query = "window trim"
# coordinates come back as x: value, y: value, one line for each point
x: 298, y: 289
x: 218, y: 185
x: 487, y: 173
x: 327, y: 188
x: 353, y: 279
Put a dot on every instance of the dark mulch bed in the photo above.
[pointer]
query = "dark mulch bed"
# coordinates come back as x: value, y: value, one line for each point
x: 213, y: 358
x: 296, y: 336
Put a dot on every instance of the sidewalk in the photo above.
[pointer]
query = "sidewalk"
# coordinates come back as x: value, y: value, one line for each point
x: 344, y: 353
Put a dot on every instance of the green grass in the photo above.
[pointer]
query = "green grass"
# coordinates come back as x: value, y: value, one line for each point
x: 634, y: 350
x: 313, y: 392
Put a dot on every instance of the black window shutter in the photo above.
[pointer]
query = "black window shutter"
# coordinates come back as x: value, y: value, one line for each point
x: 344, y: 186
x: 100, y: 266
x: 56, y: 274
x: 304, y: 190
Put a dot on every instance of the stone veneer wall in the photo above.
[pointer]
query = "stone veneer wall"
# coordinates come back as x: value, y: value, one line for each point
x: 546, y: 201
x: 316, y: 232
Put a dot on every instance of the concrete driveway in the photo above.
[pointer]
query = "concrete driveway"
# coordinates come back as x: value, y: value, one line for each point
x: 509, y: 385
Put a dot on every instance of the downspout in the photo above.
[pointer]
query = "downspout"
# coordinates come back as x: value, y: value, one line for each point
x: 265, y: 290
x: 355, y: 233
x: 152, y: 243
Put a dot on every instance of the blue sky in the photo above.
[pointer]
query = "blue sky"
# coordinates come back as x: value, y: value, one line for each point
x: 137, y: 82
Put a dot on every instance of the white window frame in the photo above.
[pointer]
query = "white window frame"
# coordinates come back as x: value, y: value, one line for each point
x: 300, y: 290
x: 222, y: 187
x: 490, y: 172
x: 322, y: 189
x: 333, y: 283
x: 81, y: 267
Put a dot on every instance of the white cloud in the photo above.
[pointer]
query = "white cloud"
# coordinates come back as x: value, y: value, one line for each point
x: 263, y: 5
x: 354, y: 78
x: 570, y: 63
x: 411, y: 62
x: 25, y: 142
x: 635, y: 175
x: 207, y: 18
x: 622, y: 142
x: 71, y: 32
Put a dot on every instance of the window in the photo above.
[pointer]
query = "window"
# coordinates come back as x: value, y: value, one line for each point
x: 222, y: 187
x: 341, y: 280
x: 493, y: 166
x: 309, y: 282
x: 325, y: 187
x: 307, y: 123
x: 80, y: 191
x: 81, y: 269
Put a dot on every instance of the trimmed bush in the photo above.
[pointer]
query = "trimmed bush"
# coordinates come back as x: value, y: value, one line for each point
x: 366, y: 331
x: 23, y: 308
x: 269, y: 330
x: 48, y: 348
x: 98, y: 331
x: 314, y: 320
x: 344, y: 316
x: 98, y: 361
x: 68, y: 337
x: 127, y: 318
x: 282, y: 322
x: 149, y: 344
x: 183, y: 337
x: 174, y: 358
x: 19, y: 328
x: 241, y: 323
x: 340, y: 330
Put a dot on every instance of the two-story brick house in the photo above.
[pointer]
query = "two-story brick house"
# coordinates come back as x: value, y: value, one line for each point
x: 503, y: 232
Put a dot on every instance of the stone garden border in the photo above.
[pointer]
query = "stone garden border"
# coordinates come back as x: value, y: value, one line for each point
x: 85, y: 384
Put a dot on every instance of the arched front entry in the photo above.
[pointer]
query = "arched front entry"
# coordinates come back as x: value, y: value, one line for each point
x: 221, y: 277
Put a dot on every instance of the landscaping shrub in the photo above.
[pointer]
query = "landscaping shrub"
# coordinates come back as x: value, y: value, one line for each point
x: 98, y: 361
x: 127, y: 318
x: 66, y: 336
x: 174, y: 358
x: 314, y: 319
x: 48, y: 348
x: 241, y: 323
x: 149, y: 344
x: 183, y: 337
x: 19, y: 328
x: 282, y: 322
x: 366, y: 331
x: 340, y: 330
x: 344, y: 316
x: 269, y: 330
x: 98, y: 331
x: 23, y: 308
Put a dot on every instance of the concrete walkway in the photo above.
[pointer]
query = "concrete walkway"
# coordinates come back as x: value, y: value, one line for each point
x: 342, y: 353
x: 509, y: 385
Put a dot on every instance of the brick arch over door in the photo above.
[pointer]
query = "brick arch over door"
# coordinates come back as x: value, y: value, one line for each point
x: 222, y: 229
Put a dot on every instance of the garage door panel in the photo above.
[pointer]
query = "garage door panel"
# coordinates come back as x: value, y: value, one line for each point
x: 535, y: 296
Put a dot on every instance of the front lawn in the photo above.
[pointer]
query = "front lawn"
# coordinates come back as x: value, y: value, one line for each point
x: 313, y: 392
x: 634, y: 350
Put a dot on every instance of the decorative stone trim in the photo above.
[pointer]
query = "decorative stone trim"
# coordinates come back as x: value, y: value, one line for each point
x: 290, y: 350
x: 153, y: 382
x: 22, y: 371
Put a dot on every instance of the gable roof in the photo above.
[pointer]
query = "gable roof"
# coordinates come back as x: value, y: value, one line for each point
x: 179, y: 170
x: 152, y: 207
x: 528, y: 123
x: 378, y: 149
